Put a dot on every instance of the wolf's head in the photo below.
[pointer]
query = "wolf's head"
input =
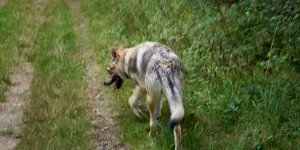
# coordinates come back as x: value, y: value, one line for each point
x: 115, y: 68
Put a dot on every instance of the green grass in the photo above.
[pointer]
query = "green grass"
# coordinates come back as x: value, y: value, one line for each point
x: 240, y: 59
x: 11, y: 25
x: 229, y: 100
x: 57, y: 114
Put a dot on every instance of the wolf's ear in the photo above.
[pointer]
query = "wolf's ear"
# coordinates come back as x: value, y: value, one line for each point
x: 114, y: 53
x: 121, y: 47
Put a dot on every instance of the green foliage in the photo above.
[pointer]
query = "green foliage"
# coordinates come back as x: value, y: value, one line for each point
x: 241, y: 63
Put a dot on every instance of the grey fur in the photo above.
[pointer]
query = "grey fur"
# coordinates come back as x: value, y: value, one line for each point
x: 156, y: 69
x: 132, y: 64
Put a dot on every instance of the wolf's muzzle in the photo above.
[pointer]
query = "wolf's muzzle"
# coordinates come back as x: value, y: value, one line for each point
x: 111, y: 79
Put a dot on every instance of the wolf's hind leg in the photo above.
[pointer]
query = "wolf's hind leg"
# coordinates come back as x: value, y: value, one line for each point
x: 137, y: 94
x: 154, y: 106
x: 158, y: 107
x: 177, y: 136
x: 151, y: 106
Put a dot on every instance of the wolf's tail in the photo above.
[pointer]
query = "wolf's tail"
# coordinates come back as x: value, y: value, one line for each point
x: 174, y: 97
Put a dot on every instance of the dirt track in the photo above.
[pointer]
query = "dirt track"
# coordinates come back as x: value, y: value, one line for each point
x: 105, y: 128
x: 2, y: 2
x: 11, y: 109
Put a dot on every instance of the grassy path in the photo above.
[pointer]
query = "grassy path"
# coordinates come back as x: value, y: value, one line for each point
x: 56, y: 116
x: 16, y: 72
x: 11, y: 27
x: 104, y: 133
x: 65, y: 106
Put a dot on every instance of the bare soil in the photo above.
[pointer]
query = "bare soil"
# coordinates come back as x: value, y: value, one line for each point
x: 105, y: 128
x: 11, y: 111
x: 2, y: 2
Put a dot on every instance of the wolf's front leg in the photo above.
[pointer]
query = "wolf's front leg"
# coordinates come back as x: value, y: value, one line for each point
x: 137, y: 94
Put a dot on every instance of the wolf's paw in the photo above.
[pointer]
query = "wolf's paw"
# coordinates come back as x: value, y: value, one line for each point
x: 152, y: 131
x: 158, y: 118
x: 151, y: 134
x: 140, y: 114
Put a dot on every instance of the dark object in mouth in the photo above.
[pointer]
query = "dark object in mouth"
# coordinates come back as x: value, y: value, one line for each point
x: 114, y: 79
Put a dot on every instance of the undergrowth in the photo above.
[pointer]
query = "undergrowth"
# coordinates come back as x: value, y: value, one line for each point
x: 241, y: 62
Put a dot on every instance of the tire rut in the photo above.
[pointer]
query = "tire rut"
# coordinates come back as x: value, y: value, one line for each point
x: 12, y: 108
x: 105, y: 128
x: 21, y: 76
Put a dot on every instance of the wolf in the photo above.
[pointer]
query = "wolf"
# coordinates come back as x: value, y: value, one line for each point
x: 156, y: 69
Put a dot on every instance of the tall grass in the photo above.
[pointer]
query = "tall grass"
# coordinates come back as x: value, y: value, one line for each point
x: 56, y: 116
x: 241, y: 64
